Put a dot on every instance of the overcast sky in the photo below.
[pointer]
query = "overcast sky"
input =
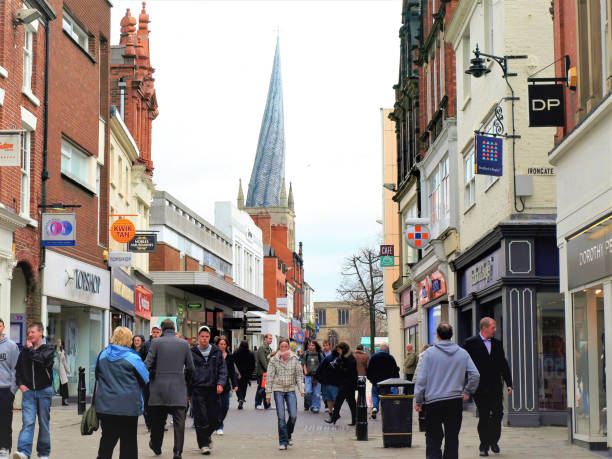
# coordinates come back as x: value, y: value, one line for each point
x: 339, y: 63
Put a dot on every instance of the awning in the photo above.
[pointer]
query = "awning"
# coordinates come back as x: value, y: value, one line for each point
x: 211, y: 286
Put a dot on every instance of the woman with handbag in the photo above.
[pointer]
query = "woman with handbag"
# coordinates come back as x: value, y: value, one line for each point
x: 120, y: 378
x: 231, y: 384
x: 245, y: 363
x: 63, y: 371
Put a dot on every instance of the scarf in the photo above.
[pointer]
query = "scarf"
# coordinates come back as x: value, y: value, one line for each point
x: 284, y: 356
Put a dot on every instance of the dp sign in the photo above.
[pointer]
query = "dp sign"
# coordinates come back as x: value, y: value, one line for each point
x: 546, y: 105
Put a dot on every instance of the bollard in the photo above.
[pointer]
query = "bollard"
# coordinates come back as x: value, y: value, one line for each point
x: 81, y: 402
x: 362, y: 410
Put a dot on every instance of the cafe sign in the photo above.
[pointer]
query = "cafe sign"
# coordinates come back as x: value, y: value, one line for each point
x: 589, y: 254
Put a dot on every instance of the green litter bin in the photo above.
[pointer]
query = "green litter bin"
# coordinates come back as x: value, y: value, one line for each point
x: 396, y: 412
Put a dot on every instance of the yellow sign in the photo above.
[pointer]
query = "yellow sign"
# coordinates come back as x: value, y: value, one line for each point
x: 123, y: 230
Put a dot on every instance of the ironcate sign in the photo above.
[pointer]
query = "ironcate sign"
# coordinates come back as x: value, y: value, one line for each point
x: 489, y: 154
x: 58, y: 229
x: 10, y: 148
x: 143, y: 243
x: 546, y: 105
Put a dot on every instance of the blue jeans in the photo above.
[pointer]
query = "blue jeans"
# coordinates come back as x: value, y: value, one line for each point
x: 313, y: 393
x: 285, y: 427
x: 224, y: 403
x: 375, y: 400
x: 35, y: 403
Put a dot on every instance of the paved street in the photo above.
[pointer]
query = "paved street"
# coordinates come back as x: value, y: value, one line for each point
x: 251, y: 433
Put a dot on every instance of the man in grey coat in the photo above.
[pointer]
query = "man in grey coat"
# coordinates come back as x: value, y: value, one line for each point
x: 168, y: 359
x: 440, y: 390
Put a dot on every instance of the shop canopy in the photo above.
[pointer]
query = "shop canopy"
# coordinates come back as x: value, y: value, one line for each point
x: 210, y: 286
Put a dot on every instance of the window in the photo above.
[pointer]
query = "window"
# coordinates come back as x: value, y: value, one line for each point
x: 75, y: 31
x: 322, y: 317
x: 470, y: 180
x: 551, y: 351
x: 489, y: 23
x: 434, y: 195
x: 343, y: 316
x: 25, y: 173
x: 98, y: 168
x: 74, y: 163
x: 438, y: 192
x: 120, y: 174
x: 28, y: 59
x: 467, y: 52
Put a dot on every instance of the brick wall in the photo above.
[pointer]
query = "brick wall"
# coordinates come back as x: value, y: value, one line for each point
x: 165, y: 258
x: 191, y: 264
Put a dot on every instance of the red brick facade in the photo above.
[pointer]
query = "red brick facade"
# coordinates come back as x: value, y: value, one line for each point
x: 165, y: 258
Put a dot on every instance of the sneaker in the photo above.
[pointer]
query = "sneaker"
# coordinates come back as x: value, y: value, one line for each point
x: 220, y: 432
x: 282, y: 447
x: 315, y: 411
x: 258, y: 407
x: 290, y: 442
x: 4, y: 453
x: 374, y: 411
x: 18, y: 455
x: 205, y: 450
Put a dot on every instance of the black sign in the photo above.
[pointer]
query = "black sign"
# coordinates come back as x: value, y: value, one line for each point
x: 589, y: 255
x: 143, y: 243
x: 546, y: 105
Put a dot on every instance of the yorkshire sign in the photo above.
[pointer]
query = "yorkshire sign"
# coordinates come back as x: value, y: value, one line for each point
x: 546, y: 105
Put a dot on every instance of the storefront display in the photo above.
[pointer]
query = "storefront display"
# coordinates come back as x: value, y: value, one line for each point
x: 122, y: 299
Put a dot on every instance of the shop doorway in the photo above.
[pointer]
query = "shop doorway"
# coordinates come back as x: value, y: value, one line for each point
x: 465, y: 326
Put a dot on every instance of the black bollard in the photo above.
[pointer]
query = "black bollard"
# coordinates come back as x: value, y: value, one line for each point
x: 82, y: 402
x: 362, y: 410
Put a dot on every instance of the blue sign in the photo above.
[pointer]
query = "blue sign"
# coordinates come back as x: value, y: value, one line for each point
x: 489, y: 155
x: 317, y: 325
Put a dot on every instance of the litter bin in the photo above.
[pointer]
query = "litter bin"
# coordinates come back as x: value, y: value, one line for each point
x: 396, y: 411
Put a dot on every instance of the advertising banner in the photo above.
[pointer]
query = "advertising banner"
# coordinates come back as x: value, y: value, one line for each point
x: 122, y: 291
x: 10, y: 148
x: 58, y: 229
x: 143, y: 302
x: 489, y: 153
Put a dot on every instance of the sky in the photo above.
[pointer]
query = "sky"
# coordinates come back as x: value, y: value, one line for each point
x: 339, y: 62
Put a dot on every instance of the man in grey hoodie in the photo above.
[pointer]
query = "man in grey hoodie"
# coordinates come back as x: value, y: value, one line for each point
x: 440, y: 390
x: 9, y: 353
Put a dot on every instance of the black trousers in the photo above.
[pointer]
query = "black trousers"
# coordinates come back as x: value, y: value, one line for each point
x: 490, y: 413
x: 243, y: 384
x: 6, y: 417
x: 348, y: 394
x: 260, y: 395
x: 118, y: 428
x: 147, y: 411
x: 205, y: 407
x: 447, y: 414
x: 64, y: 392
x: 159, y: 414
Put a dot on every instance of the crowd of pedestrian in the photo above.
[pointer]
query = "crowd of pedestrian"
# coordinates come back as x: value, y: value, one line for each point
x: 164, y: 377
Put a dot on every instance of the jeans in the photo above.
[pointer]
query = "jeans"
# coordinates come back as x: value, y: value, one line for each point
x: 118, y: 428
x: 6, y: 418
x: 447, y: 413
x: 35, y: 403
x: 313, y: 393
x: 260, y: 395
x: 159, y: 414
x: 285, y: 426
x: 224, y: 402
x: 375, y: 392
x: 205, y: 414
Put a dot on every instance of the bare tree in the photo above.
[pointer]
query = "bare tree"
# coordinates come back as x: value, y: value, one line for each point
x: 362, y: 286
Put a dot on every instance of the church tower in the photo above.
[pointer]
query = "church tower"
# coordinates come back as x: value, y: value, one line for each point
x: 267, y: 190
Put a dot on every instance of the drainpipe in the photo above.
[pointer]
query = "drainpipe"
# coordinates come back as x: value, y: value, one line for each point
x: 122, y: 85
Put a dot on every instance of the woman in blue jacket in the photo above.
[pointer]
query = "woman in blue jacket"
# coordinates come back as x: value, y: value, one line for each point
x: 121, y: 376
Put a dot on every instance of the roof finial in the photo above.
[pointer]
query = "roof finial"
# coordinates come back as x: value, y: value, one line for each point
x: 240, y: 200
x: 283, y: 195
x: 290, y: 201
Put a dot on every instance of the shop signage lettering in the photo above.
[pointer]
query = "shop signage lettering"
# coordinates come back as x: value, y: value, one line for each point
x: 482, y: 271
x: 489, y: 155
x: 10, y: 149
x: 143, y: 243
x: 589, y: 255
x: 124, y: 291
x: 86, y: 281
x: 387, y: 250
x: 123, y: 230
x: 546, y: 105
x: 541, y: 170
x: 432, y: 287
x: 481, y: 274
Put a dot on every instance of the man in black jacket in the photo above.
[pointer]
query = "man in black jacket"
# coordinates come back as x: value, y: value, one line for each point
x: 206, y: 384
x: 35, y: 380
x: 382, y: 366
x: 488, y: 355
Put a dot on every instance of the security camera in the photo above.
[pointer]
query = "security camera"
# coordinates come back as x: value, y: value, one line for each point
x: 27, y: 15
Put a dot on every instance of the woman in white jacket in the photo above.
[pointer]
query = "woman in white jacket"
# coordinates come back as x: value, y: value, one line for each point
x: 284, y: 374
x: 64, y: 371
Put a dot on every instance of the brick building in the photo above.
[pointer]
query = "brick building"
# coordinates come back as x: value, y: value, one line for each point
x: 582, y: 157
x: 23, y: 64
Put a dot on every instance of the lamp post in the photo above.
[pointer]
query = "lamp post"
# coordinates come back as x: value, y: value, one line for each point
x: 478, y: 69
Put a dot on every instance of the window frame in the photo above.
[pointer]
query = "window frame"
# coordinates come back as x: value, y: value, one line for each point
x: 322, y: 317
x: 70, y: 154
x: 75, y: 31
x: 28, y: 59
x: 25, y: 174
x: 469, y: 179
x: 343, y: 317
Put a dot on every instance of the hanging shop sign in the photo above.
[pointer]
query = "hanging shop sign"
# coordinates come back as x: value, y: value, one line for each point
x: 432, y: 287
x: 10, y: 148
x: 143, y: 302
x: 387, y: 250
x: 489, y: 154
x: 589, y: 255
x: 417, y: 236
x: 546, y: 105
x: 123, y: 230
x: 58, y: 230
x: 143, y: 243
x: 118, y: 259
x: 122, y: 292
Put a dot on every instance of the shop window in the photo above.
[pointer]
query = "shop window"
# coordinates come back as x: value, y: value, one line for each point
x: 434, y: 317
x: 589, y: 380
x: 551, y: 351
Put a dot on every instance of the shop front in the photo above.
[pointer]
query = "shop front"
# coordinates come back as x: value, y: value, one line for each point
x: 77, y: 296
x: 432, y: 298
x: 512, y: 276
x: 588, y: 301
x: 122, y: 300
x: 142, y: 310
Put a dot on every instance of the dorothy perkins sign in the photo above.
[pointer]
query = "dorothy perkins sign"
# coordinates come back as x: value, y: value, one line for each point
x: 589, y: 255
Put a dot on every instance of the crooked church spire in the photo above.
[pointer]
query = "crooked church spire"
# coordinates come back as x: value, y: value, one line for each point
x: 269, y: 167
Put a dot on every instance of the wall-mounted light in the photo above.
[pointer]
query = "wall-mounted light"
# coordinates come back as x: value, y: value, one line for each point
x: 26, y: 16
x: 390, y: 186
